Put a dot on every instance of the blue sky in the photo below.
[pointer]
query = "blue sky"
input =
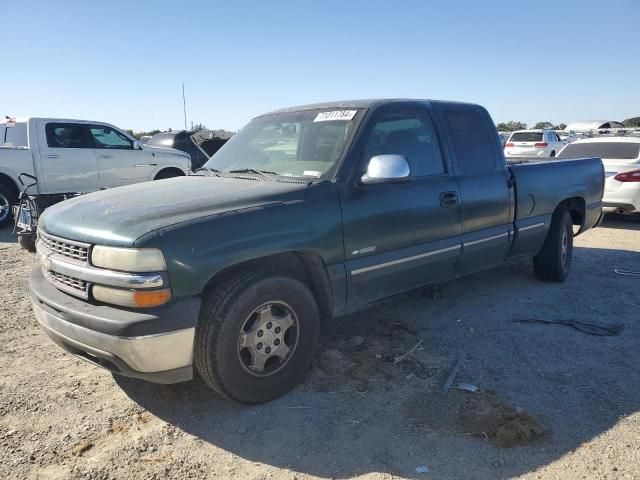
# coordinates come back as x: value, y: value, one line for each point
x: 124, y: 62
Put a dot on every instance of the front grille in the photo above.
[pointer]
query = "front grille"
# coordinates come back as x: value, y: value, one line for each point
x: 74, y: 283
x: 75, y: 250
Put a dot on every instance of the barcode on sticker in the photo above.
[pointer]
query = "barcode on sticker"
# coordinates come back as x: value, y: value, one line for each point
x: 335, y: 115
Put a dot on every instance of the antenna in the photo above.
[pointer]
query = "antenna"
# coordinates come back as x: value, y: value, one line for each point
x: 184, y: 107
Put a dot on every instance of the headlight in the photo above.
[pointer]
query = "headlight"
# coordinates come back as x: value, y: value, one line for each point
x: 131, y: 298
x: 128, y: 259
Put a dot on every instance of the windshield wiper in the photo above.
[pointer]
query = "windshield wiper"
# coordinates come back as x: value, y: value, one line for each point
x: 207, y: 169
x: 261, y: 173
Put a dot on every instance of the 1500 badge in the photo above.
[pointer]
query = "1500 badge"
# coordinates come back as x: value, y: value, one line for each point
x: 364, y: 250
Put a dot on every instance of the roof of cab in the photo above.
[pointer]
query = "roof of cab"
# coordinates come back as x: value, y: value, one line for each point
x: 364, y: 103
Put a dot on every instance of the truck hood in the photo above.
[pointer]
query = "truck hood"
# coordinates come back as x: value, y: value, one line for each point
x: 164, y: 151
x: 121, y: 215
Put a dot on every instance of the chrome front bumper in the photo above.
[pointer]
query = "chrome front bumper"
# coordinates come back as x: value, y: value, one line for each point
x: 155, y: 345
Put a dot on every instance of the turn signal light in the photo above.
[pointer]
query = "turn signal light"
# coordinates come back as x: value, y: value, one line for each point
x: 151, y: 298
x: 632, y: 176
x: 509, y: 145
x: 541, y: 145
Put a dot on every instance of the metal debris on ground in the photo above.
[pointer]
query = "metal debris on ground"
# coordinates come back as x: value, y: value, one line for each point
x: 469, y: 387
x: 452, y: 376
x: 585, y: 327
x: 629, y: 273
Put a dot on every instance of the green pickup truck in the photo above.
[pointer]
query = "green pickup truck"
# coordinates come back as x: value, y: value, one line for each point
x: 307, y: 213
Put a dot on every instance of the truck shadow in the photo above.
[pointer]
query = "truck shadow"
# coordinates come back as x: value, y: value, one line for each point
x: 5, y: 235
x: 360, y: 418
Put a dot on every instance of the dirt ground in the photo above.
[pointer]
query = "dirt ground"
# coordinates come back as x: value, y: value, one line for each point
x: 554, y: 402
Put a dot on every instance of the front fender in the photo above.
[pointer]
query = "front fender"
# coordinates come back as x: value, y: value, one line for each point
x: 196, y: 251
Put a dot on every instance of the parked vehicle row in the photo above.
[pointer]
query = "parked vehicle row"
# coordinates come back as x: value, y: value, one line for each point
x: 77, y: 156
x: 621, y: 159
x: 305, y: 214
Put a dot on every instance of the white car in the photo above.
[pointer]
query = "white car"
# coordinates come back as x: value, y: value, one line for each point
x: 533, y: 143
x: 621, y: 159
x: 77, y: 156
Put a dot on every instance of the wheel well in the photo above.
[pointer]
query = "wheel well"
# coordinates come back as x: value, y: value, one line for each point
x: 169, y: 171
x: 576, y: 207
x: 306, y: 267
x: 8, y: 182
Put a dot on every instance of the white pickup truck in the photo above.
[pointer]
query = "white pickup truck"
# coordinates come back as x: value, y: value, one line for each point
x: 77, y: 156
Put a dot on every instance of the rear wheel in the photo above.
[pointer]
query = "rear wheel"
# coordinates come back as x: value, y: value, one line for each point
x: 553, y: 154
x: 256, y: 336
x: 7, y: 200
x: 553, y: 262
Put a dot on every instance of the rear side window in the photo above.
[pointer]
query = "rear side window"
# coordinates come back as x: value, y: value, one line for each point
x: 613, y: 150
x: 473, y: 141
x: 526, y: 137
x: 411, y: 135
x: 67, y: 135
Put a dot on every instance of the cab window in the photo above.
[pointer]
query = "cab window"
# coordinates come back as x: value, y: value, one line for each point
x: 67, y: 135
x: 410, y: 134
x: 107, y: 137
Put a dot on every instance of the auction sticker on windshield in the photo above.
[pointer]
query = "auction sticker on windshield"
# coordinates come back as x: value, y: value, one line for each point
x: 335, y: 115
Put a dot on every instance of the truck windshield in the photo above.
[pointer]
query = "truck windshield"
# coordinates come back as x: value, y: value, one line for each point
x: 304, y: 144
x: 609, y: 150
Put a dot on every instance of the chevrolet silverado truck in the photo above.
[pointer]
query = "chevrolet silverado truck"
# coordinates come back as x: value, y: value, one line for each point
x: 76, y: 156
x: 306, y: 213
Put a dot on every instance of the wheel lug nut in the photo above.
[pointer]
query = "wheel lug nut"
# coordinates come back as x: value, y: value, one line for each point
x: 259, y: 346
x: 278, y: 330
x: 269, y: 325
x: 260, y: 333
x: 268, y: 350
x: 276, y: 342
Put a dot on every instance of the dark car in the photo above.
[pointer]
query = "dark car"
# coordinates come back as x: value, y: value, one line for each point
x: 199, y: 144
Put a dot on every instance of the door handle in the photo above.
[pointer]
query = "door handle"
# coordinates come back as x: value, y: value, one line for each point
x: 53, y: 156
x: 106, y: 156
x: 448, y: 199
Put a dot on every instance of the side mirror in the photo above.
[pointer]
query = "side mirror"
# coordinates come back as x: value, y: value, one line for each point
x: 136, y: 145
x: 387, y: 169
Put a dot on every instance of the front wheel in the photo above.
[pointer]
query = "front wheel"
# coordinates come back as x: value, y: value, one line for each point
x: 256, y: 336
x: 553, y: 262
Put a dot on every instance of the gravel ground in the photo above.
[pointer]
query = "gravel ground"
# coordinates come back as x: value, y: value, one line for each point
x: 554, y: 402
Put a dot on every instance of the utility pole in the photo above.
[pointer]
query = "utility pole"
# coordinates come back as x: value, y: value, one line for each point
x: 184, y: 107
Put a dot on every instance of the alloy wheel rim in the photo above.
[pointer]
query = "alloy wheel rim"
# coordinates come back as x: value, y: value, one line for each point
x: 268, y: 338
x: 564, y: 247
x: 4, y: 207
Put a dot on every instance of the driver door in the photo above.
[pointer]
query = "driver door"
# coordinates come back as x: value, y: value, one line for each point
x: 400, y: 236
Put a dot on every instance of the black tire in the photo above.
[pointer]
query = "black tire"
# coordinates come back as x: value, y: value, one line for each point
x: 553, y: 154
x: 219, y: 357
x: 7, y: 200
x: 28, y: 242
x: 553, y: 262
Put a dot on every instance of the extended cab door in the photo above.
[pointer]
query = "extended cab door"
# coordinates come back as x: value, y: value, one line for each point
x: 486, y: 197
x: 67, y: 160
x: 400, y: 236
x: 118, y: 162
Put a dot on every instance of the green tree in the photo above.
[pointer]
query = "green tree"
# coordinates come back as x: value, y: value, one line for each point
x: 542, y: 125
x: 511, y: 126
x: 560, y: 126
x: 633, y: 122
